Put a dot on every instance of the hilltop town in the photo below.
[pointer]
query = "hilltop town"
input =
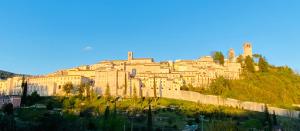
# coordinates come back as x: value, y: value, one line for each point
x: 142, y: 76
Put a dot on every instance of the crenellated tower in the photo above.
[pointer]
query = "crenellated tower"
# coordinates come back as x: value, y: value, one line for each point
x: 247, y: 49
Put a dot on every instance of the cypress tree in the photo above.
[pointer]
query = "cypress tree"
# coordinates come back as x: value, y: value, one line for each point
x: 268, y: 120
x: 154, y: 86
x: 263, y: 65
x: 249, y: 64
x: 107, y: 91
x: 274, y: 119
x: 24, y: 91
x: 149, y: 121
x: 106, y: 113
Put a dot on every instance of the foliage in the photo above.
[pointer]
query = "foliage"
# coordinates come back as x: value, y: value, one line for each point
x: 5, y: 74
x: 279, y: 87
x: 218, y: 57
x: 134, y: 92
x: 274, y: 117
x: 268, y: 120
x: 7, y: 123
x: 50, y: 105
x: 154, y: 88
x: 107, y: 91
x: 24, y: 91
x: 149, y: 119
x: 68, y: 87
x: 219, y: 85
x: 8, y: 108
x: 81, y: 89
x: 33, y: 98
x: 249, y: 64
x: 263, y: 65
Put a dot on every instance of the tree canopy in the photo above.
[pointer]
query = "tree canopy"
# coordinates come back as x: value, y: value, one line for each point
x: 218, y: 57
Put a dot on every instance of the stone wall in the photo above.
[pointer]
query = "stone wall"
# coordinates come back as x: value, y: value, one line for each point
x: 215, y: 100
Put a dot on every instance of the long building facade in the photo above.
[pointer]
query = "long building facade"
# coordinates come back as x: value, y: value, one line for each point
x: 133, y: 77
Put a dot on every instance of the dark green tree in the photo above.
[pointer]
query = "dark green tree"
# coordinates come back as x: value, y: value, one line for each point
x: 274, y: 119
x: 106, y: 113
x: 24, y: 91
x: 8, y: 109
x: 263, y: 65
x: 268, y: 121
x: 218, y: 57
x: 68, y: 87
x: 249, y: 64
x: 33, y: 98
x: 149, y: 119
x: 49, y: 105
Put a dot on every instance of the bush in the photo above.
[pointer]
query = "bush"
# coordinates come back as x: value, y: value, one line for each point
x: 8, y: 108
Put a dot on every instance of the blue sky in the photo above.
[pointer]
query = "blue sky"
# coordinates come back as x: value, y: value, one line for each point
x: 38, y: 37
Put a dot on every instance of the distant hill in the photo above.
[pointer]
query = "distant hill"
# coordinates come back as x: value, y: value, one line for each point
x: 5, y: 74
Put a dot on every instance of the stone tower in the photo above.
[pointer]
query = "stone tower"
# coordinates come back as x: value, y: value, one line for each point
x: 231, y: 55
x: 130, y: 56
x: 247, y: 50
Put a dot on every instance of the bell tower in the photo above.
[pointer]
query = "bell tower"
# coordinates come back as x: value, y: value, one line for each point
x: 231, y: 55
x: 247, y: 49
x: 130, y: 56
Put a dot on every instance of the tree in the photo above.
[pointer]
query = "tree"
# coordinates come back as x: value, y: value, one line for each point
x: 134, y: 93
x: 154, y: 87
x: 274, y: 119
x: 219, y: 85
x: 81, y: 89
x: 240, y: 59
x: 218, y: 57
x: 249, y: 64
x: 149, y: 119
x: 268, y: 121
x: 125, y: 86
x: 8, y: 109
x: 50, y: 105
x: 68, y: 87
x: 33, y: 98
x: 107, y: 91
x: 106, y: 113
x: 24, y: 91
x: 263, y: 65
x: 88, y: 90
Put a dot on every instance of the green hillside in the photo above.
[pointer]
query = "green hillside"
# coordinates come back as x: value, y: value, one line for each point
x: 278, y: 86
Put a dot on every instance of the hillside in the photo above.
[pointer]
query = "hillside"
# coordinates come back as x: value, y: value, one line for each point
x: 5, y: 74
x: 280, y: 86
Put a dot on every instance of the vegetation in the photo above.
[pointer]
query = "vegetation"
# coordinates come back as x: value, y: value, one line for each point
x: 24, y: 91
x: 278, y: 86
x: 218, y: 57
x: 68, y: 87
x: 5, y: 74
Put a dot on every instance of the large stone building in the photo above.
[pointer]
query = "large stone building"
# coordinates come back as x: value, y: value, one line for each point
x: 133, y: 76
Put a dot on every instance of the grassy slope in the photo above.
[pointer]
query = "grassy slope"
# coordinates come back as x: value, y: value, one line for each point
x: 279, y: 86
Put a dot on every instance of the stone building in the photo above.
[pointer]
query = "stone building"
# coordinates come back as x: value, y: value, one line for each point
x: 133, y: 76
